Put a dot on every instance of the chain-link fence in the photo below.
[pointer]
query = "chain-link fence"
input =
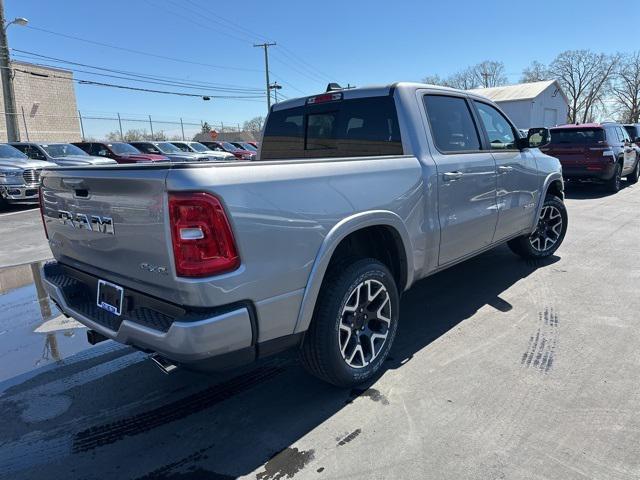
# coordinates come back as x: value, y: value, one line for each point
x: 115, y: 127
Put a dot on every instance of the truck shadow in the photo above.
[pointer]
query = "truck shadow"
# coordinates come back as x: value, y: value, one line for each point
x: 589, y: 191
x: 136, y: 423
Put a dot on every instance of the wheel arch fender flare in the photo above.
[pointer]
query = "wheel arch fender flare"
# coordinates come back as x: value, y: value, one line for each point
x: 552, y: 177
x: 338, y: 233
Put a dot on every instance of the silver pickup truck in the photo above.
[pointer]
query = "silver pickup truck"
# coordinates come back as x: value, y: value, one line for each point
x: 19, y: 177
x: 357, y: 195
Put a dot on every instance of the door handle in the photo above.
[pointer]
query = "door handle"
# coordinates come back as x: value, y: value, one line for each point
x: 452, y: 176
x: 504, y: 169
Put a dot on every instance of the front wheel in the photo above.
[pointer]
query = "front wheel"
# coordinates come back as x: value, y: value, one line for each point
x: 354, y: 324
x: 549, y: 234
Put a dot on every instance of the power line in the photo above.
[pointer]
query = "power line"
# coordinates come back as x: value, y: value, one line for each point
x: 140, y: 52
x: 52, y: 77
x: 150, y: 78
x: 311, y: 74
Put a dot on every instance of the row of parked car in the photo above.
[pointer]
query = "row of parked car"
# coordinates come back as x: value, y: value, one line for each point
x: 21, y: 162
x: 596, y: 152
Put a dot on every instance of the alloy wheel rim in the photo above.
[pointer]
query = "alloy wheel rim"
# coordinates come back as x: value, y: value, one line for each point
x: 365, y: 323
x: 549, y: 229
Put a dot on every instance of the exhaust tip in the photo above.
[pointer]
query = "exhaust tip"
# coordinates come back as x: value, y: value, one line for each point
x: 164, y: 364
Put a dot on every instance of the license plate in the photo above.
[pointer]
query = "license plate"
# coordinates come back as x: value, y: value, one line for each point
x: 110, y: 297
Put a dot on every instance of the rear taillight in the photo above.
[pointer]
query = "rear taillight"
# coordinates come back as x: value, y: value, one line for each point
x: 41, y: 199
x: 203, y: 244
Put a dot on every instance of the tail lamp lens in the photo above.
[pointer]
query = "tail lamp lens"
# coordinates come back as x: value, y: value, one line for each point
x: 203, y: 244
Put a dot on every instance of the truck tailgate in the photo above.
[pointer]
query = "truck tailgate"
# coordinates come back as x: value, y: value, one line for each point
x: 108, y: 220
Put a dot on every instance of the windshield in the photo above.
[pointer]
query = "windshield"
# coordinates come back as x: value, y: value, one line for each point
x: 229, y: 147
x: 577, y: 135
x: 248, y: 147
x: 58, y: 150
x: 123, y: 148
x: 7, y: 151
x: 198, y: 147
x: 166, y: 147
x: 632, y: 131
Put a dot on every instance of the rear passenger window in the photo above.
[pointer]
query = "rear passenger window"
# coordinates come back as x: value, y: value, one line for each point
x: 451, y: 124
x: 500, y: 132
x: 344, y: 128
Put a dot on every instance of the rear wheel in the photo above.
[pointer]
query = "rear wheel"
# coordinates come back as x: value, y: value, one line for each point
x: 354, y: 324
x: 613, y: 184
x: 632, y: 178
x: 549, y: 234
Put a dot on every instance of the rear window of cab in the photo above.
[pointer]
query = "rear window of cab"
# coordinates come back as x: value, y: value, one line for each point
x: 343, y: 128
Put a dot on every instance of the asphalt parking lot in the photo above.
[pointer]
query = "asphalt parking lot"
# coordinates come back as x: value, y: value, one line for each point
x: 501, y: 369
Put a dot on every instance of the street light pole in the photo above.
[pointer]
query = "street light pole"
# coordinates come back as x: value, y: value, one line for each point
x: 10, y: 111
x: 266, y: 68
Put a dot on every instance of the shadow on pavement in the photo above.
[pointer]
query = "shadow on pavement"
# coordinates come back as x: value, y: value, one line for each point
x: 133, y: 422
x: 589, y: 191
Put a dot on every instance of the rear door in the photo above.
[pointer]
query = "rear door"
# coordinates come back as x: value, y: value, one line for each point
x: 466, y: 178
x: 518, y: 182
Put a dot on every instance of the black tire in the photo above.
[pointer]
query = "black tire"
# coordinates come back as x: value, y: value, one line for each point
x: 633, y: 177
x: 535, y: 245
x: 614, y: 183
x: 321, y: 352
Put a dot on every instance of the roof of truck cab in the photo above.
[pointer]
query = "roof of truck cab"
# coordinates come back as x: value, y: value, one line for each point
x: 370, y: 91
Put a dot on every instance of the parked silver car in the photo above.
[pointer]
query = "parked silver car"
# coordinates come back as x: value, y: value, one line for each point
x: 197, y: 147
x: 19, y: 176
x: 63, y: 154
x: 171, y: 151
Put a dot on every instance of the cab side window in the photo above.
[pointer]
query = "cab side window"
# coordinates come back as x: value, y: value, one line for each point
x: 499, y: 130
x: 34, y: 152
x: 452, y: 125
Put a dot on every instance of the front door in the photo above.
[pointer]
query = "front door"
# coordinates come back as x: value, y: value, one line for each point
x: 466, y: 178
x: 518, y: 181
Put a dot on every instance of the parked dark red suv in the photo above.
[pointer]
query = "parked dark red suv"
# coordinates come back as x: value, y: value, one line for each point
x: 595, y: 151
x: 121, y: 152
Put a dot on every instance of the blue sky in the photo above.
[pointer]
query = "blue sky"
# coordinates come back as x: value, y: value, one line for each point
x: 350, y: 42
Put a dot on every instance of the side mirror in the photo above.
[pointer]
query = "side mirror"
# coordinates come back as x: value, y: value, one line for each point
x: 538, y: 137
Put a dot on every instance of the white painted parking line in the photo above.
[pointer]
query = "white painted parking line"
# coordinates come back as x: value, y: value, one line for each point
x: 15, y: 213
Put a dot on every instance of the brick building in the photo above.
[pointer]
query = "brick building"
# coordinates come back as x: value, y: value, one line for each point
x: 45, y: 103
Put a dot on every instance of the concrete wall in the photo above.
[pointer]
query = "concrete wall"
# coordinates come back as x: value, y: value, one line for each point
x: 49, y: 104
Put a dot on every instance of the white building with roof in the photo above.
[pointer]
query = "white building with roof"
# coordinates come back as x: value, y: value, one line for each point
x: 536, y: 104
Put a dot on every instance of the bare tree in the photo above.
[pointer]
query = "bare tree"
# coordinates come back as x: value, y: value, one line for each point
x: 489, y: 74
x: 135, y: 134
x: 626, y: 88
x: 435, y: 80
x: 536, y: 72
x: 254, y: 125
x: 485, y: 74
x: 585, y: 77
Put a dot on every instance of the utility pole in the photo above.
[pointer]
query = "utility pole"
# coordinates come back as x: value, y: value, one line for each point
x: 485, y: 76
x: 266, y: 68
x: 275, y: 87
x: 10, y: 112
